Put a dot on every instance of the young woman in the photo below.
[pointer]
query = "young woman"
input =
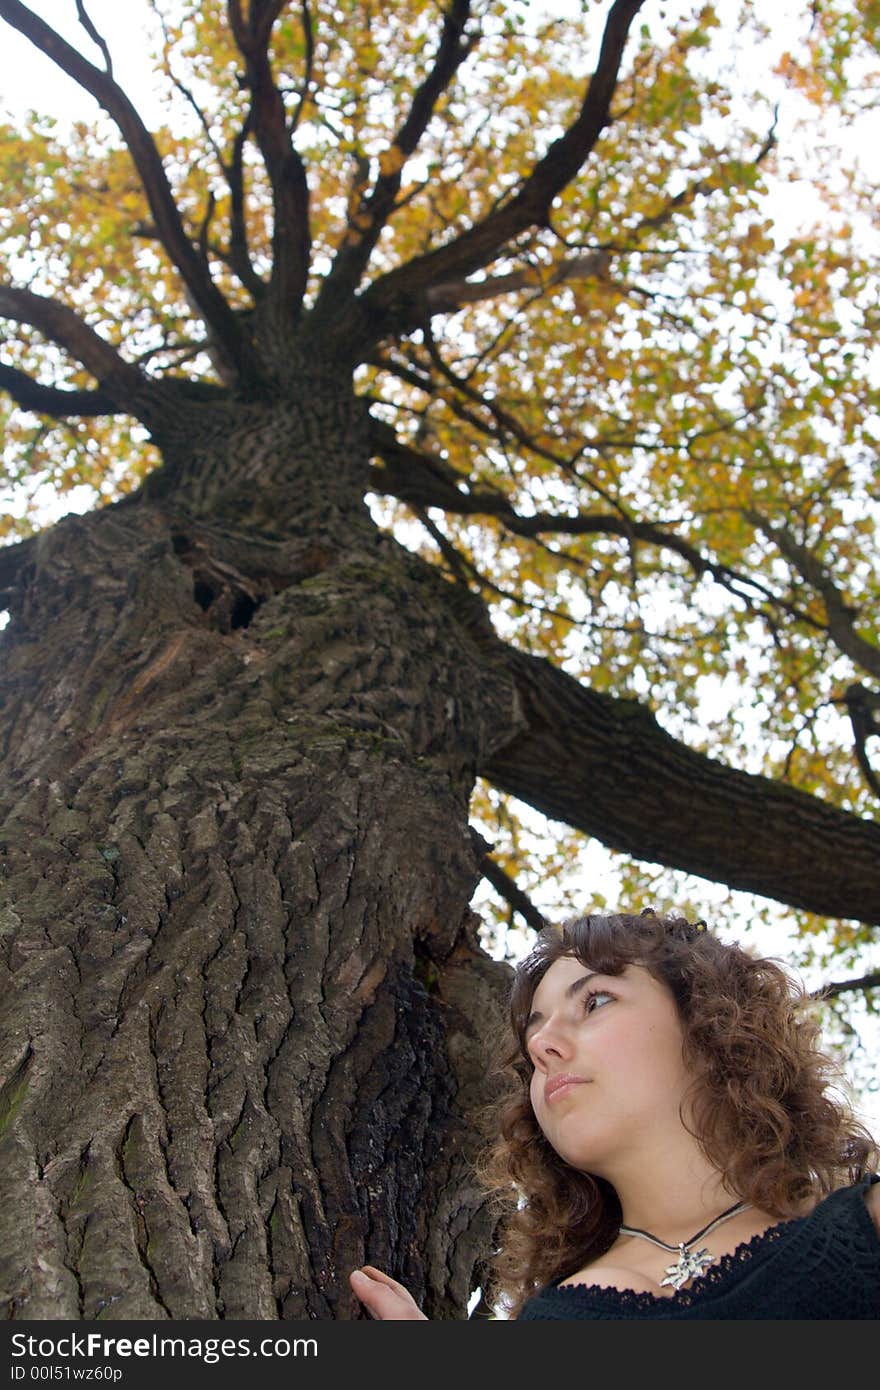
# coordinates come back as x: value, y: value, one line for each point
x: 674, y: 1144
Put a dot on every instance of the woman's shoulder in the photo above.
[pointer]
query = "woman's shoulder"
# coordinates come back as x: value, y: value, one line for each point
x: 770, y: 1237
x: 872, y: 1201
x: 843, y: 1204
x: 849, y: 1213
x: 865, y: 1191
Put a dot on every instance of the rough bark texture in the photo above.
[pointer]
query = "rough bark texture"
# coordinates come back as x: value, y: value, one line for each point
x: 244, y: 1011
x: 244, y: 1014
x: 245, y: 1019
x: 605, y: 765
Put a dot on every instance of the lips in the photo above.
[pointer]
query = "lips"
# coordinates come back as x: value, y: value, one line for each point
x: 554, y: 1085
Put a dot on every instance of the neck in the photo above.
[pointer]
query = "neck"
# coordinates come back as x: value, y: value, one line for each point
x: 673, y: 1194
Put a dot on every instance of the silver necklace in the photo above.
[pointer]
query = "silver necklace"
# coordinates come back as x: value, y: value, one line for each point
x: 690, y: 1263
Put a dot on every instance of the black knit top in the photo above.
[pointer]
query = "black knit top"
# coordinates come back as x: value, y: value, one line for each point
x: 824, y: 1265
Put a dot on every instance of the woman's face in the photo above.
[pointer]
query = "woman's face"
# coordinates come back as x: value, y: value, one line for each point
x: 619, y: 1039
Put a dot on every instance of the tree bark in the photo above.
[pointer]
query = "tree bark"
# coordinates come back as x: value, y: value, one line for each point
x: 606, y: 766
x: 245, y: 1016
x: 246, y: 1025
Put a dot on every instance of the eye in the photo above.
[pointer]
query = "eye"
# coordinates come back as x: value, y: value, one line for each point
x: 592, y: 996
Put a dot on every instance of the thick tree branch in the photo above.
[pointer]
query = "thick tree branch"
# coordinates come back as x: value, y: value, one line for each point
x: 372, y: 212
x: 411, y: 476
x: 447, y: 297
x: 204, y: 293
x: 119, y: 379
x: 291, y: 237
x: 605, y: 766
x: 56, y: 401
x: 124, y: 392
x: 397, y: 299
x: 840, y: 614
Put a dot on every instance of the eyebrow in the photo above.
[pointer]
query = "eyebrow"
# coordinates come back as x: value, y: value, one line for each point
x: 574, y: 988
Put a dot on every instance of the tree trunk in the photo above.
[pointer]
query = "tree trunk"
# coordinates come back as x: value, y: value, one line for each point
x: 245, y: 1016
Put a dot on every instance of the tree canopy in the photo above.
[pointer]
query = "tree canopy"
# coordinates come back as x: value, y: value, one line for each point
x: 613, y: 385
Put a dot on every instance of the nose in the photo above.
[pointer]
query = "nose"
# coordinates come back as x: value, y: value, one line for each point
x: 550, y: 1043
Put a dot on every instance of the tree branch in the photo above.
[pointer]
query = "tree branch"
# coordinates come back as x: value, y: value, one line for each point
x: 505, y: 424
x: 239, y: 252
x: 372, y: 212
x: 519, y: 901
x: 692, y: 191
x: 846, y: 986
x: 119, y: 379
x: 423, y: 481
x: 55, y: 400
x: 309, y: 40
x: 840, y: 614
x: 452, y: 295
x: 604, y: 765
x: 204, y: 293
x: 237, y: 257
x: 863, y: 708
x: 291, y: 237
x: 93, y: 34
x: 397, y: 298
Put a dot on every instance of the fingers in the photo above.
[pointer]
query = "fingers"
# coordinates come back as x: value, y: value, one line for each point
x: 382, y: 1296
x: 379, y: 1298
x: 384, y: 1278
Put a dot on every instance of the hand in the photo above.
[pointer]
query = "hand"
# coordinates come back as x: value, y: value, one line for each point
x: 382, y: 1296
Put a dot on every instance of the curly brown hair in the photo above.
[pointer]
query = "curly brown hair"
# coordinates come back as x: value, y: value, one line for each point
x: 769, y: 1107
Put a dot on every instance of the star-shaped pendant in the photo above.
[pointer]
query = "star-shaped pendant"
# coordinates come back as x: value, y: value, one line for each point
x: 690, y: 1264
